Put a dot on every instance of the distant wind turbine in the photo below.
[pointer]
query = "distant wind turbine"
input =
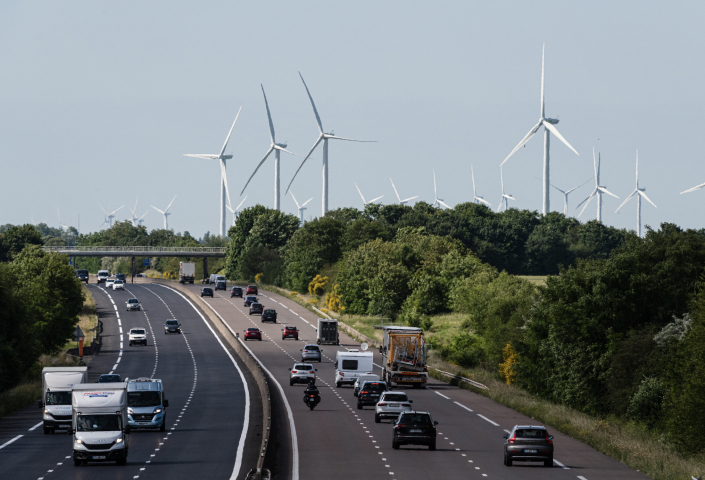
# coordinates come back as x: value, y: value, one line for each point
x: 322, y: 137
x: 401, y: 202
x: 61, y: 226
x: 134, y: 210
x: 300, y: 207
x: 236, y: 210
x: 598, y: 191
x: 273, y: 147
x: 505, y: 196
x: 166, y: 213
x: 475, y: 197
x: 222, y: 158
x: 566, y: 193
x: 109, y: 216
x: 365, y: 203
x: 140, y: 220
x: 548, y: 124
x: 639, y: 192
x: 437, y: 202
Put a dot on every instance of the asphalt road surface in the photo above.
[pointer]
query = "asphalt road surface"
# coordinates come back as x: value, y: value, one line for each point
x: 209, y: 413
x: 338, y: 441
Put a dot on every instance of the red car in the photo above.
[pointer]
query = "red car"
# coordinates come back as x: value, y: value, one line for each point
x: 253, y: 334
x: 251, y: 290
x: 290, y: 332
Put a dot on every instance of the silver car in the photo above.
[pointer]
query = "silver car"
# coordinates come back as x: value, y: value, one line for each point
x: 118, y: 285
x: 302, y: 373
x: 391, y: 405
x: 310, y: 353
x: 133, y: 304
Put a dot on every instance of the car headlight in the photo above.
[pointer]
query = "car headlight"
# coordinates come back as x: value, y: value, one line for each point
x: 78, y: 440
x: 129, y: 411
x: 46, y: 411
x: 119, y: 440
x: 158, y: 410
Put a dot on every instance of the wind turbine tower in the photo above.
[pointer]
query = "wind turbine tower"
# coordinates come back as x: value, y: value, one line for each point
x: 221, y: 157
x: 135, y: 220
x: 639, y: 192
x: 322, y: 137
x: 548, y: 124
x: 365, y: 203
x: 475, y: 197
x: 598, y: 191
x: 401, y: 202
x: 505, y: 196
x: 437, y: 202
x: 166, y: 213
x: 61, y: 226
x: 301, y: 208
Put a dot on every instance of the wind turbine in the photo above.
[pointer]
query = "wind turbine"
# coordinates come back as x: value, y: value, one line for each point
x: 566, y: 193
x: 109, y: 216
x: 599, y: 190
x: 63, y: 227
x: 273, y: 147
x: 505, y: 196
x: 475, y: 198
x: 322, y: 137
x: 140, y: 220
x: 639, y: 192
x: 235, y: 212
x: 365, y: 203
x: 133, y: 210
x: 548, y: 124
x: 437, y: 202
x: 165, y: 213
x: 222, y: 158
x: 401, y: 202
x: 301, y: 208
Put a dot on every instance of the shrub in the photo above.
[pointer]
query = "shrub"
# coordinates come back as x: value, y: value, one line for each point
x: 317, y: 286
x: 333, y: 300
x: 646, y: 404
x: 506, y: 368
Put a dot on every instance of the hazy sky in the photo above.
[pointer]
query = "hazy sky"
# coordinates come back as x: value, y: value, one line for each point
x: 100, y: 100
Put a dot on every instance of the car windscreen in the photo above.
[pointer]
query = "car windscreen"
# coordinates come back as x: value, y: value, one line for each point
x: 539, y: 433
x: 395, y: 397
x: 207, y: 290
x: 82, y: 272
x: 99, y: 423
x: 349, y: 365
x: 374, y: 386
x: 118, y: 282
x: 137, y: 331
x: 133, y: 300
x: 313, y: 348
x: 58, y: 398
x: 109, y: 379
x: 172, y: 322
x: 415, y: 419
x: 251, y: 299
x: 143, y: 399
x: 303, y: 367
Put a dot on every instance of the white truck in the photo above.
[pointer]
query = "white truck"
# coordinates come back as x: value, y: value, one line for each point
x: 187, y: 272
x: 99, y: 424
x: 57, y: 383
x: 102, y: 276
x: 349, y: 365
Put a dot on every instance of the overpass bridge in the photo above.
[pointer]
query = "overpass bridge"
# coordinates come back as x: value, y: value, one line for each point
x: 104, y: 251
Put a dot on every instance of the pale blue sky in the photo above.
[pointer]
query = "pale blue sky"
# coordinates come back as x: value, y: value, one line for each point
x: 100, y: 100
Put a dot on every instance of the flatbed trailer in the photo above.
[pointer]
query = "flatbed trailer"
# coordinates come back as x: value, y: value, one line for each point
x: 404, y: 353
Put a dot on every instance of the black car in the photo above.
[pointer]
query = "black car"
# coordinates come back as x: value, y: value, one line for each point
x: 220, y: 285
x: 236, y: 292
x: 256, y: 308
x: 250, y: 299
x: 82, y: 275
x: 269, y: 315
x: 369, y: 393
x: 206, y: 292
x: 526, y: 443
x: 172, y: 326
x: 112, y: 378
x: 121, y: 276
x: 414, y: 428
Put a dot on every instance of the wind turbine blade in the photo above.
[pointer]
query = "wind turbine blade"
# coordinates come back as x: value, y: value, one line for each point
x: 395, y: 189
x: 116, y: 210
x: 106, y: 212
x: 647, y: 198
x: 693, y: 189
x: 501, y: 177
x: 230, y: 208
x: 145, y: 213
x: 528, y: 136
x: 586, y: 202
x: 435, y: 195
x: 320, y: 137
x: 604, y: 190
x: 269, y: 115
x: 222, y: 150
x: 406, y: 200
x: 287, y: 151
x: 315, y: 112
x: 483, y: 201
x: 472, y: 172
x: 297, y: 203
x: 509, y: 197
x: 157, y: 209
x: 554, y: 131
x: 358, y: 191
x: 626, y: 200
x: 375, y: 199
x: 575, y: 188
x: 543, y: 62
x: 202, y: 155
x: 637, y: 168
x: 243, y: 201
x: 350, y: 139
x: 560, y: 189
x: 302, y: 206
x: 444, y: 204
x: 271, y: 149
x: 172, y: 201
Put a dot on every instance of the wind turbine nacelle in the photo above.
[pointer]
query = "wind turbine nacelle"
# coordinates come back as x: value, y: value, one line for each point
x: 283, y: 145
x: 552, y: 121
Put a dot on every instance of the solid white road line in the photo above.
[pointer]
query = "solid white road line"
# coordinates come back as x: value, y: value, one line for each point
x: 246, y: 422
x: 463, y: 406
x: 36, y: 426
x: 487, y: 419
x: 439, y: 393
x: 582, y: 478
x: 9, y: 442
x: 560, y: 464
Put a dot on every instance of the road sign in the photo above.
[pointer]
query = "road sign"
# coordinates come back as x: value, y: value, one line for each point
x: 146, y: 262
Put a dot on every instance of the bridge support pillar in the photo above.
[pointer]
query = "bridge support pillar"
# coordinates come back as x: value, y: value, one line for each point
x: 205, y: 268
x: 133, y: 269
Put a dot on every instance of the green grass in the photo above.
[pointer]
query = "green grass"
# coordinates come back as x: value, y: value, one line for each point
x: 87, y: 320
x: 535, y: 279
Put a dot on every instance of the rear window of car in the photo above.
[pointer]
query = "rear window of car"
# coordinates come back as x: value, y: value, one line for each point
x: 531, y: 433
x: 415, y: 419
x: 237, y: 289
x: 395, y: 397
x: 374, y: 386
x: 303, y: 367
x: 290, y: 328
x: 269, y: 310
x: 311, y: 347
x: 252, y: 286
x: 207, y: 290
x: 109, y: 378
x: 253, y: 329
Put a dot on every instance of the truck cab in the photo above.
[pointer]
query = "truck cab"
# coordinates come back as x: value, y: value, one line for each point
x: 103, y: 276
x: 146, y: 404
x: 57, y: 383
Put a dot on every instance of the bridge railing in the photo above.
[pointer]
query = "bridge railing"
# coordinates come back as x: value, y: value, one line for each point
x: 143, y: 251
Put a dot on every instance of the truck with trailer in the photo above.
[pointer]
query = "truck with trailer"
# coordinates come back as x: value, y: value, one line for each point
x: 404, y: 356
x: 187, y: 272
x: 57, y: 383
x: 99, y: 423
x: 327, y: 332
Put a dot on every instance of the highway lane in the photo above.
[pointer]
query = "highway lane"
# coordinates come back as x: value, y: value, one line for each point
x: 206, y: 415
x: 336, y: 439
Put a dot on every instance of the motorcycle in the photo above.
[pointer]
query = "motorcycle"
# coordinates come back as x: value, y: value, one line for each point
x: 311, y: 400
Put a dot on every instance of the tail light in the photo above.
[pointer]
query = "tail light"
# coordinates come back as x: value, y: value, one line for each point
x: 405, y: 404
x: 400, y: 426
x: 364, y: 391
x: 313, y: 396
x: 513, y: 439
x: 312, y: 372
x: 549, y: 441
x: 382, y: 404
x: 294, y: 371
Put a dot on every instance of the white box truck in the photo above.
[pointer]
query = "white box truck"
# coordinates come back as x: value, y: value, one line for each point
x: 100, y: 429
x: 349, y: 365
x: 57, y: 383
x: 187, y: 272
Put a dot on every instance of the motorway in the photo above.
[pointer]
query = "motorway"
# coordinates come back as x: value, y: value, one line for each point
x: 210, y: 394
x: 338, y: 441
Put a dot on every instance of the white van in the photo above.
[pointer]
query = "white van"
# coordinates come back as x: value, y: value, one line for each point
x: 350, y: 365
x: 215, y: 278
x: 103, y: 276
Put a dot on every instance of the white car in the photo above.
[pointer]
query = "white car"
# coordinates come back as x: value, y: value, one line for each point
x: 138, y: 335
x: 302, y: 373
x: 118, y: 285
x: 109, y: 283
x: 391, y: 405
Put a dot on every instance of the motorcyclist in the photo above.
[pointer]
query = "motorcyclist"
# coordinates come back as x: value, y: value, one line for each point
x: 311, y: 389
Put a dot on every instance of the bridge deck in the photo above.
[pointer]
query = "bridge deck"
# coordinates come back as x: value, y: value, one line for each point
x: 211, y: 252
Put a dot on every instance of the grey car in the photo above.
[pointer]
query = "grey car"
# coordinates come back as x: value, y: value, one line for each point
x: 528, y: 443
x: 133, y: 304
x: 302, y: 373
x: 310, y: 353
x: 172, y: 326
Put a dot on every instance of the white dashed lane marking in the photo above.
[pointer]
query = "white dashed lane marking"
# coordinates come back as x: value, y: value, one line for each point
x: 439, y: 393
x: 10, y: 441
x: 488, y: 420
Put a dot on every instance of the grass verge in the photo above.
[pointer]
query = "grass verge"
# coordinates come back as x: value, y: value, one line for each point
x: 87, y: 320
